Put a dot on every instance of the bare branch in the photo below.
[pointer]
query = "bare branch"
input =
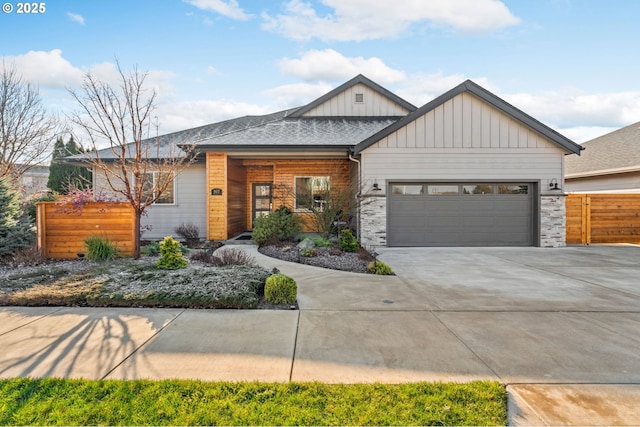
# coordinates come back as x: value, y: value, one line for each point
x: 117, y: 120
x: 26, y: 130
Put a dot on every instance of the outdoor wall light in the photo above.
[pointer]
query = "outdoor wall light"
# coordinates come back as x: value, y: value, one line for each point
x: 376, y: 187
x: 553, y: 184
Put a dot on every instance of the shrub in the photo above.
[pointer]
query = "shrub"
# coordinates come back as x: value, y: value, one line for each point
x: 309, y: 252
x: 15, y: 230
x: 347, y: 241
x: 278, y: 226
x: 321, y: 242
x: 170, y: 255
x: 224, y: 257
x: 189, y: 232
x: 335, y: 251
x: 153, y: 249
x: 379, y: 267
x: 280, y: 289
x: 27, y: 256
x: 100, y: 249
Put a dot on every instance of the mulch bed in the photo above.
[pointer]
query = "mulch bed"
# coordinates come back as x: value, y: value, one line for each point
x: 355, y: 262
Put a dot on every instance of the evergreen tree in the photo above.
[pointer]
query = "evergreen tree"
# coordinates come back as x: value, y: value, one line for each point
x: 63, y: 177
x: 15, y: 230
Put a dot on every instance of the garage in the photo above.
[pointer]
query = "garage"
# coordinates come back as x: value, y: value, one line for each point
x: 461, y: 214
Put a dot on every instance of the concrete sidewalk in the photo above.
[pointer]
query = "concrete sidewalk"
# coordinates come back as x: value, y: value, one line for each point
x: 566, y: 343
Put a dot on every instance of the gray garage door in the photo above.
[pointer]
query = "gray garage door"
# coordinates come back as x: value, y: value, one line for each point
x: 473, y: 214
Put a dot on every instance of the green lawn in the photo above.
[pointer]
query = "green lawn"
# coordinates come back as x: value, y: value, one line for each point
x: 178, y: 402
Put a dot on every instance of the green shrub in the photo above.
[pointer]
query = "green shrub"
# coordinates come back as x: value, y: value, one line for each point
x: 16, y: 232
x: 379, y: 267
x: 280, y: 289
x: 309, y: 252
x: 153, y: 249
x: 278, y: 226
x: 100, y: 249
x: 321, y: 242
x: 170, y: 255
x: 347, y: 241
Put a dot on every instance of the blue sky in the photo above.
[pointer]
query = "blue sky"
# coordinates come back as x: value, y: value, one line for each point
x: 572, y: 64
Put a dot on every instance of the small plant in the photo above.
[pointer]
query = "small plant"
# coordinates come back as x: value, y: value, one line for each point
x: 224, y: 257
x: 27, y: 256
x: 170, y: 255
x: 152, y: 249
x: 279, y: 225
x: 347, y: 241
x: 308, y: 253
x: 321, y: 242
x: 189, y: 232
x: 280, y: 289
x: 335, y: 251
x: 100, y: 249
x: 379, y: 267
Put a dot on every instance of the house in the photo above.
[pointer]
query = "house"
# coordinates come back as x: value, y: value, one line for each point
x: 610, y: 164
x: 466, y: 169
x: 34, y: 180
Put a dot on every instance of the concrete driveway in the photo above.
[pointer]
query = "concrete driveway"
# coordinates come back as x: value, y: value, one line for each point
x: 560, y: 327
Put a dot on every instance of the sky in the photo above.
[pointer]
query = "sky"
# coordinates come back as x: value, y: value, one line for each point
x: 571, y: 64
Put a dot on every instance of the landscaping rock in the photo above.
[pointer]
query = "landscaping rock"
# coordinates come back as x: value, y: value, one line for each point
x: 306, y: 244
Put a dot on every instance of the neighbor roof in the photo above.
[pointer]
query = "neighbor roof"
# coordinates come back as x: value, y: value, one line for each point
x: 615, y: 152
x: 499, y: 103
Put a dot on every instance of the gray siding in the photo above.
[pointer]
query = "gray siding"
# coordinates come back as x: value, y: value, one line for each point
x: 464, y: 139
x: 344, y: 105
x: 618, y: 183
x: 190, y: 204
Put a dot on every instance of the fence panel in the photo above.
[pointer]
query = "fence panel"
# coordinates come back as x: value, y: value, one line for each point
x: 603, y: 218
x: 62, y: 230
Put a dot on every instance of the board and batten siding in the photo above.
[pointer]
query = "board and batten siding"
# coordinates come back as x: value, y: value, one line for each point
x: 463, y: 139
x: 189, y: 204
x: 343, y: 105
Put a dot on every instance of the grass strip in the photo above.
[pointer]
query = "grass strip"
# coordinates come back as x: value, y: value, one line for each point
x: 73, y: 402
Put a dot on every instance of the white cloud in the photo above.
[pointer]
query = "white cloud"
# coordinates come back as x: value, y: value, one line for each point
x: 177, y: 116
x: 296, y: 94
x: 328, y: 64
x: 79, y: 19
x: 228, y: 8
x: 48, y: 69
x: 356, y: 20
x: 576, y: 110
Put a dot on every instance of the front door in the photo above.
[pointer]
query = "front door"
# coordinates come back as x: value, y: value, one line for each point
x: 261, y: 204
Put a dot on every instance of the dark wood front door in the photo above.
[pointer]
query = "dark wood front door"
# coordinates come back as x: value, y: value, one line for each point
x: 261, y: 201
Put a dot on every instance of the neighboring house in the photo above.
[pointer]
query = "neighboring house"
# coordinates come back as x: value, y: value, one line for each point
x: 466, y: 169
x: 34, y: 180
x: 610, y: 164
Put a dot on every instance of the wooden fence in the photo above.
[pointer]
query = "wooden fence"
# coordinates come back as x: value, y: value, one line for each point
x: 62, y: 230
x: 603, y: 218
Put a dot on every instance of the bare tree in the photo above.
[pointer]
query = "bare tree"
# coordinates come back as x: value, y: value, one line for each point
x: 26, y: 130
x: 133, y: 165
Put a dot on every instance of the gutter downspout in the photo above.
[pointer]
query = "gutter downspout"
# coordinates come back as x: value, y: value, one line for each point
x: 357, y: 196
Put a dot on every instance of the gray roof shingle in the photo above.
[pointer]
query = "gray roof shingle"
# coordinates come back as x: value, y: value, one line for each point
x: 614, y: 151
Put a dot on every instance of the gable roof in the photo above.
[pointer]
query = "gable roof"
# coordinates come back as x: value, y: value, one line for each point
x: 359, y: 79
x: 615, y: 152
x: 485, y: 95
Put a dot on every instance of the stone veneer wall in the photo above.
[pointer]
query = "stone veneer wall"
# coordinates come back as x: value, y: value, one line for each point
x: 553, y: 221
x: 373, y: 221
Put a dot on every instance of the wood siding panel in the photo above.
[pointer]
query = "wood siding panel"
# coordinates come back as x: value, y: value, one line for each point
x: 217, y: 205
x: 61, y: 231
x: 344, y: 104
x: 603, y: 218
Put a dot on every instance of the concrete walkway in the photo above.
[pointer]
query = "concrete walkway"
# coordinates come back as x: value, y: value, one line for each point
x: 559, y: 327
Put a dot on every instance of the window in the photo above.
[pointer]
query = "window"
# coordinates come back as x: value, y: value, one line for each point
x: 311, y: 192
x: 152, y: 179
x: 407, y: 189
x: 513, y: 189
x: 442, y: 190
x: 477, y: 189
x: 359, y: 98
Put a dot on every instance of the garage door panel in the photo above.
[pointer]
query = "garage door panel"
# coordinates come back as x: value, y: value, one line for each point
x: 492, y: 219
